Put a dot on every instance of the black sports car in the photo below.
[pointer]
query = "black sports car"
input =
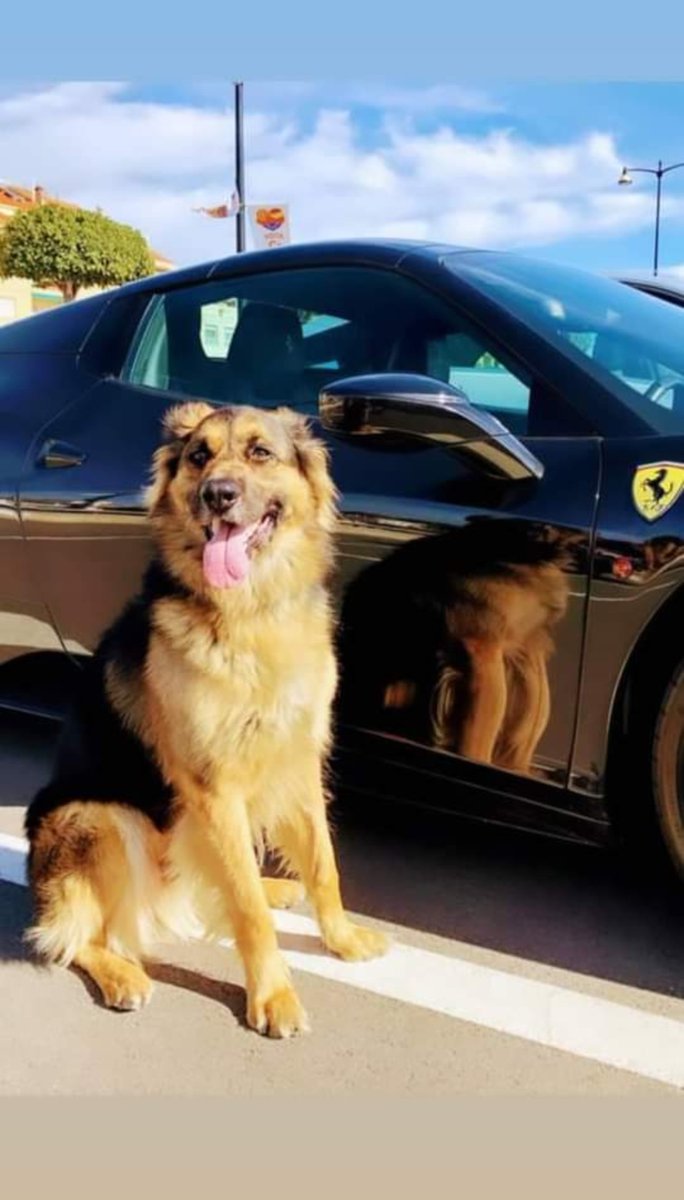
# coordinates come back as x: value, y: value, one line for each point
x: 507, y: 436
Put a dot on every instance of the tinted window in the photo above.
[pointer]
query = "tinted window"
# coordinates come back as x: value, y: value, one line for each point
x: 632, y: 342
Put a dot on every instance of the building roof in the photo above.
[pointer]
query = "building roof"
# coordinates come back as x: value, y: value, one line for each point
x: 21, y: 199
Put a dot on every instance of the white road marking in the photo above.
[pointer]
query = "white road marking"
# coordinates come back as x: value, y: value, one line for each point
x: 558, y: 1017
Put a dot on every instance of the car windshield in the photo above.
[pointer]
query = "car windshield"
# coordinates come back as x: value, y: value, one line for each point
x: 632, y: 342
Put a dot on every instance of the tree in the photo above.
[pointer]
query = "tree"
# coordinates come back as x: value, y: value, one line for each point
x: 71, y: 248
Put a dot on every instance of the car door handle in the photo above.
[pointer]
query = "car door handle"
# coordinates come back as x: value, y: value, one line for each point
x: 54, y: 453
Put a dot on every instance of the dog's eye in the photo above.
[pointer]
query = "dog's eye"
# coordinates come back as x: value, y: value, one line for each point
x: 260, y: 452
x: 199, y: 457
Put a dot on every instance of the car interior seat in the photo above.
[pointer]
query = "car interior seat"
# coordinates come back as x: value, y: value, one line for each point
x: 265, y: 362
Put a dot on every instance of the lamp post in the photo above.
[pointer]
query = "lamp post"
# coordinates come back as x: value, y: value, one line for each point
x: 659, y: 171
x: 239, y: 171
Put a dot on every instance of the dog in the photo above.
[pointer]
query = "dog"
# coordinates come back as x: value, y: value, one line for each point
x: 203, y: 727
x: 447, y: 640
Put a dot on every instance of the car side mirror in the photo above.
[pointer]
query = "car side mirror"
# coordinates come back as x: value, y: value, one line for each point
x: 417, y: 406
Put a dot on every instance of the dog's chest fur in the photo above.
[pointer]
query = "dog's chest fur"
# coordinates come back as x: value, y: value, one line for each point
x: 232, y: 686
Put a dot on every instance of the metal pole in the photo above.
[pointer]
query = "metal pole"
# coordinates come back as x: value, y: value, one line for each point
x: 658, y: 171
x: 659, y: 177
x: 239, y: 171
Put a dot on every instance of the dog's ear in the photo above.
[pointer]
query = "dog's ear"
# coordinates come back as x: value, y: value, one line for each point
x: 313, y: 461
x: 181, y: 420
x: 178, y: 424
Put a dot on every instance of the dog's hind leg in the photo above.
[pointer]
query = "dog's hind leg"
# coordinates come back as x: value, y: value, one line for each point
x: 86, y: 899
x: 487, y: 699
x: 528, y: 710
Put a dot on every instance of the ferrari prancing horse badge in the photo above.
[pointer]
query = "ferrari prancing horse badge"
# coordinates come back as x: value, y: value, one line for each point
x: 655, y: 487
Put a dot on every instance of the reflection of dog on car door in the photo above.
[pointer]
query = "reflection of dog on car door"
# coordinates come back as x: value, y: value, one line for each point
x: 447, y: 640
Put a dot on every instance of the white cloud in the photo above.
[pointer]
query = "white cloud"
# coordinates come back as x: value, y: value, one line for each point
x: 150, y: 164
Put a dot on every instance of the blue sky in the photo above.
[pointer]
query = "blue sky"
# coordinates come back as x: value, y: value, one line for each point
x: 526, y: 167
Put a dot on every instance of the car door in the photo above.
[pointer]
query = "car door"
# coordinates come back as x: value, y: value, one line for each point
x: 421, y: 533
x: 39, y: 374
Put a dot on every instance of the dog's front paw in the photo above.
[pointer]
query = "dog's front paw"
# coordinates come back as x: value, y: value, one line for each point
x: 354, y: 943
x: 126, y: 990
x: 279, y: 1015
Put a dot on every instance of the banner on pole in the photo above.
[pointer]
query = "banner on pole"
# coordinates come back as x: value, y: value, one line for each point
x: 270, y: 225
x: 222, y: 210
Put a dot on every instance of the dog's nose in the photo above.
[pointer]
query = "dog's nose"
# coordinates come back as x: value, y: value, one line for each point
x: 220, y: 494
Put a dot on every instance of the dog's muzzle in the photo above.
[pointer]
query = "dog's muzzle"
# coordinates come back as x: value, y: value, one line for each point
x: 220, y: 495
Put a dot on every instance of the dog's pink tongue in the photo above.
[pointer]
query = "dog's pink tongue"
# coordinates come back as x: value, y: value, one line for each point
x: 226, y: 561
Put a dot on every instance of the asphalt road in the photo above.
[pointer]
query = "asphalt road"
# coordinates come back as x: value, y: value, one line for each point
x: 518, y: 966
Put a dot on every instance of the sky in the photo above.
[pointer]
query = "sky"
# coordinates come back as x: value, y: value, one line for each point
x: 531, y: 168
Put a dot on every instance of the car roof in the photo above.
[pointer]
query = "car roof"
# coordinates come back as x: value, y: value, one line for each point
x: 381, y: 251
x: 660, y: 283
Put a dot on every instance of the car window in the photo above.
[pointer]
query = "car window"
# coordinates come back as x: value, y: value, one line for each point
x: 464, y: 361
x: 625, y: 360
x: 279, y: 337
x: 272, y: 339
x: 633, y: 343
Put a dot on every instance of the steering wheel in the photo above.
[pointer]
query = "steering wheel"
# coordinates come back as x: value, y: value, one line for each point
x: 659, y: 389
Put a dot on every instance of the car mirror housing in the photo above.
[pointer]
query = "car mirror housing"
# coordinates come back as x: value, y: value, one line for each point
x: 417, y: 406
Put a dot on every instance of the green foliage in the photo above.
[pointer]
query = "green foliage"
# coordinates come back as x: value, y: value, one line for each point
x: 72, y: 248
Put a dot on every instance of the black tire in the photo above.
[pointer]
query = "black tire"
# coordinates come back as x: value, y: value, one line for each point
x: 644, y: 791
x: 667, y: 771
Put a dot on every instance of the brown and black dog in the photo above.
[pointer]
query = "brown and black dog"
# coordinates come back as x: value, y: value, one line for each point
x: 204, y: 725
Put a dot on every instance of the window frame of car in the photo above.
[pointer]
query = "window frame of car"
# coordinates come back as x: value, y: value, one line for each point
x: 506, y: 338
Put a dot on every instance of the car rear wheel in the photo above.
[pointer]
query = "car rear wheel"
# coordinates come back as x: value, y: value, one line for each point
x: 645, y: 785
x: 667, y: 771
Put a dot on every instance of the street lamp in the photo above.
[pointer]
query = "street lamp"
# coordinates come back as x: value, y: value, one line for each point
x: 659, y: 171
